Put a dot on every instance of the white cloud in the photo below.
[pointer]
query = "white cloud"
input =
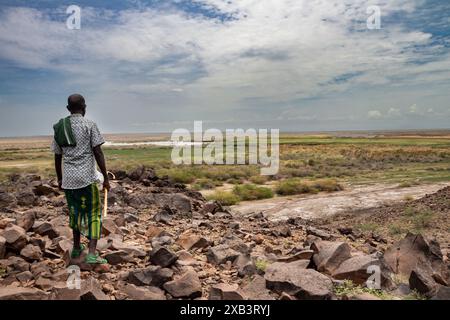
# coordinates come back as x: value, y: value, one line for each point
x: 275, y: 51
x: 374, y: 114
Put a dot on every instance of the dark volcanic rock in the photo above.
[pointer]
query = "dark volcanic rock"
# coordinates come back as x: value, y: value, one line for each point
x: 163, y: 257
x: 414, y: 250
x: 329, y: 255
x: 302, y: 283
x: 186, y: 286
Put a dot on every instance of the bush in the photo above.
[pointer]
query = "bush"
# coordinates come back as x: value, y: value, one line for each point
x: 296, y: 186
x: 225, y: 198
x: 205, y: 184
x: 252, y: 192
x: 258, y: 179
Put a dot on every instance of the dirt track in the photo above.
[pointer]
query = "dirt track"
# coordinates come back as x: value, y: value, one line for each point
x: 328, y: 204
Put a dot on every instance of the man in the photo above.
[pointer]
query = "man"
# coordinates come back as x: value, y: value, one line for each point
x: 77, y: 147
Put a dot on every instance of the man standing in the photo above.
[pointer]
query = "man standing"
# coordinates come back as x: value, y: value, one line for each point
x: 77, y: 147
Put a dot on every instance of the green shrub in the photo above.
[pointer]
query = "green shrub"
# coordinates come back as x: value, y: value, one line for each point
x: 258, y: 179
x: 261, y: 265
x: 225, y: 198
x: 252, y: 192
x: 296, y: 186
x: 205, y: 184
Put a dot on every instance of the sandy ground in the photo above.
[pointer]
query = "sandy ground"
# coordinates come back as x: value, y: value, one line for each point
x: 327, y: 204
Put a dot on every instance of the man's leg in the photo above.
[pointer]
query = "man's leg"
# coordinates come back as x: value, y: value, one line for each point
x: 92, y: 246
x: 76, y: 239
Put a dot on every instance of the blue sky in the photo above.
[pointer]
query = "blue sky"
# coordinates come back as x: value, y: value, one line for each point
x: 296, y: 65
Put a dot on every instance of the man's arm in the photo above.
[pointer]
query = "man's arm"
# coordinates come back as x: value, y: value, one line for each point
x: 58, y: 169
x: 100, y: 158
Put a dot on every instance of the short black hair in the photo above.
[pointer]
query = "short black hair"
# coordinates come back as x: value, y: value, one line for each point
x: 76, y: 102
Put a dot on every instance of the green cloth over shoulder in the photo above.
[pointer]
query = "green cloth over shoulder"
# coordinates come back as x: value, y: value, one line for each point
x: 63, y: 133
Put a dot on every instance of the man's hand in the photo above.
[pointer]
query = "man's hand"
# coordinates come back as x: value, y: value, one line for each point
x: 106, y: 185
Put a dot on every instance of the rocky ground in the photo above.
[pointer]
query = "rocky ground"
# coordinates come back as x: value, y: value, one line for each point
x: 164, y: 241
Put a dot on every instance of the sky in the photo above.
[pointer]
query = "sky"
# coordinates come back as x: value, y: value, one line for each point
x: 294, y: 65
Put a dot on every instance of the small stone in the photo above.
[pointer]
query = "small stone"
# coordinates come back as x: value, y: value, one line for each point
x: 91, y: 290
x: 163, y: 257
x: 190, y: 241
x: 26, y: 220
x: 15, y: 237
x: 186, y: 286
x: 225, y: 291
x: 46, y: 229
x: 143, y: 293
x: 118, y: 257
x: 150, y: 276
x: 318, y: 233
x: 221, y: 254
x: 18, y: 293
x: 31, y: 253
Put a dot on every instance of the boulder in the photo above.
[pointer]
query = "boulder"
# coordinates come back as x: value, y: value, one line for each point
x: 245, y: 266
x: 91, y: 290
x: 186, y: 286
x: 404, y: 256
x: 324, y: 235
x: 256, y: 289
x: 356, y: 269
x: 211, y: 207
x: 186, y: 259
x: 294, y: 279
x: 46, y: 229
x: 142, y: 293
x: 136, y: 173
x: 15, y: 237
x: 162, y: 257
x: 221, y: 254
x: 118, y: 257
x: 109, y: 226
x: 24, y: 277
x: 150, y: 276
x: 18, y: 293
x: 15, y: 264
x: 31, y: 253
x: 44, y: 190
x: 44, y: 283
x: 223, y: 291
x: 5, y: 222
x: 26, y: 220
x: 329, y: 255
x: 190, y: 241
x: 282, y: 231
x: 302, y: 255
x: 2, y: 247
x: 7, y: 200
x: 422, y: 281
x: 61, y: 292
x: 442, y: 293
x: 26, y: 198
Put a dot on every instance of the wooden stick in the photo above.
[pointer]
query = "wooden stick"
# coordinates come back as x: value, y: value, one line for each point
x: 105, y: 204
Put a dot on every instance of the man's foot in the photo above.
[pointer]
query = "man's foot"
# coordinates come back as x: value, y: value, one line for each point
x: 77, y: 252
x: 95, y: 259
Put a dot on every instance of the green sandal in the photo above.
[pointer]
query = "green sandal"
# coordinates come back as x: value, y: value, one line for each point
x: 95, y: 259
x: 77, y: 252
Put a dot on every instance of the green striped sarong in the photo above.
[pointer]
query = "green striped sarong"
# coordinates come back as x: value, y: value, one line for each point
x: 85, y: 211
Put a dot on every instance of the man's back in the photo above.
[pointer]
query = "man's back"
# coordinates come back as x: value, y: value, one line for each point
x: 79, y: 169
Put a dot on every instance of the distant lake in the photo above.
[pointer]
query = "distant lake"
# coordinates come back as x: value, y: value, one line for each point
x: 168, y: 143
